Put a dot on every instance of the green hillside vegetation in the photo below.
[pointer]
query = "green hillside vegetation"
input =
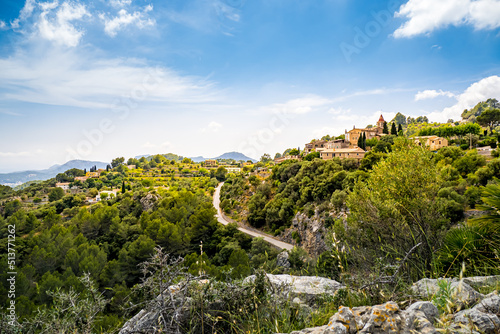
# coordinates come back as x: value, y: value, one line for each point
x: 472, y: 114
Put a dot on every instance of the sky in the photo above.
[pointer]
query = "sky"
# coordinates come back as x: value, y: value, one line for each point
x: 96, y: 80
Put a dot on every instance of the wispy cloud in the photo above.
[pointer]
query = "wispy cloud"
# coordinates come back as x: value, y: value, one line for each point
x: 425, y: 16
x: 432, y: 94
x: 62, y: 77
x: 124, y: 19
x: 120, y: 3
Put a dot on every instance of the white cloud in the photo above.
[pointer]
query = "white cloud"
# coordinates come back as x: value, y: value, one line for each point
x: 425, y: 16
x: 479, y: 91
x: 63, y: 77
x: 2, y: 25
x: 432, y: 94
x: 120, y: 3
x: 59, y: 28
x: 25, y: 12
x: 213, y: 126
x: 301, y: 105
x: 124, y: 19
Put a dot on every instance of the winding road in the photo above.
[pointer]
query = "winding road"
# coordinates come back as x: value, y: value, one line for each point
x: 250, y: 232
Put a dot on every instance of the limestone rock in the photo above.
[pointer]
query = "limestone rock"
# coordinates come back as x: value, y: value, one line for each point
x: 306, y: 288
x: 282, y: 260
x: 148, y: 202
x: 484, y: 322
x: 490, y: 304
x: 430, y: 311
x: 482, y: 281
x: 462, y: 293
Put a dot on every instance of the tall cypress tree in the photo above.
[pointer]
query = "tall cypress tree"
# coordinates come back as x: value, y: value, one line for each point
x: 386, y: 129
x: 400, y: 130
x: 123, y: 187
x: 393, y: 129
x: 364, y: 141
x: 360, y: 140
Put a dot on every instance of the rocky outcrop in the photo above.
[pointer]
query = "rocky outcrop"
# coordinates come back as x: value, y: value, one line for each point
x: 148, y: 202
x: 301, y: 289
x: 462, y: 293
x: 385, y: 318
x: 420, y: 317
x: 309, y: 232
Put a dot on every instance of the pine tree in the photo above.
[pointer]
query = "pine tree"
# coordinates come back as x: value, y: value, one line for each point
x: 386, y: 130
x: 393, y: 129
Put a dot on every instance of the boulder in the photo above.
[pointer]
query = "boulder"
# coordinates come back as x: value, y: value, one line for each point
x: 478, y: 282
x: 490, y: 304
x: 462, y: 293
x: 306, y: 288
x: 430, y: 311
x: 484, y: 322
x: 282, y: 260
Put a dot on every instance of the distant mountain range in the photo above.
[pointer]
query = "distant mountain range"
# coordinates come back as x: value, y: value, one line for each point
x: 226, y: 156
x: 16, y: 178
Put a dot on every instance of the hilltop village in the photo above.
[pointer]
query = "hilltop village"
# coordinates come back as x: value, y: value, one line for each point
x: 353, y: 144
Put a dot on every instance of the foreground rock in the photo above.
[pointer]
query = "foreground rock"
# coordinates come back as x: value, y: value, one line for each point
x: 385, y: 318
x: 421, y: 316
x: 302, y: 289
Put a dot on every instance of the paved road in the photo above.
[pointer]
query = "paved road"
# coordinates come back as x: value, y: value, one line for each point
x: 250, y: 232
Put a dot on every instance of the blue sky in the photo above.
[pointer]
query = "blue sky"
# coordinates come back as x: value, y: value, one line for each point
x: 100, y: 79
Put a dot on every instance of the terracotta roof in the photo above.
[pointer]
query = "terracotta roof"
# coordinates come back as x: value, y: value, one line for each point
x: 381, y: 119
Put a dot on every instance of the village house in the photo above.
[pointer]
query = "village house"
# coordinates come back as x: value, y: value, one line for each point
x: 343, y: 153
x: 353, y: 135
x: 131, y: 166
x: 81, y: 178
x: 232, y: 169
x: 94, y: 175
x: 434, y: 143
x: 314, y: 146
x: 287, y: 157
x: 210, y: 163
x: 63, y: 185
x: 337, y: 144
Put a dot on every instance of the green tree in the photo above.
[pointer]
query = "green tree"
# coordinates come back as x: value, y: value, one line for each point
x: 123, y: 187
x: 396, y: 208
x: 399, y: 119
x: 56, y: 194
x: 394, y: 132
x: 117, y: 162
x: 489, y: 118
x: 385, y: 130
x: 265, y: 158
x: 221, y: 174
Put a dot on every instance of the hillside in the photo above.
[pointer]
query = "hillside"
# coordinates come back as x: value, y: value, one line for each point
x: 17, y: 178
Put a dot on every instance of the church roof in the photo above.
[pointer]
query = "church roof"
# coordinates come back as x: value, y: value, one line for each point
x: 381, y: 119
